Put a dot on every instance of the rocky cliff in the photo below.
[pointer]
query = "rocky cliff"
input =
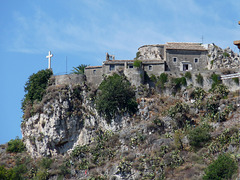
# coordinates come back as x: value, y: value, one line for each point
x: 65, y: 118
x: 154, y: 143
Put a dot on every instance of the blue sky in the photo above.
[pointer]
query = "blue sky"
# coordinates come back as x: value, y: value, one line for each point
x: 84, y: 30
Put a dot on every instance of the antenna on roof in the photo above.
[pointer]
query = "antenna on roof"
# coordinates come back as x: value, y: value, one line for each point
x: 66, y: 64
x: 202, y: 39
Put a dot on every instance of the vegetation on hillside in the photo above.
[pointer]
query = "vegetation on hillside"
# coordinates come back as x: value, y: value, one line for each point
x: 116, y: 96
x: 169, y: 137
x: 35, y: 87
x: 222, y: 168
x: 16, y: 145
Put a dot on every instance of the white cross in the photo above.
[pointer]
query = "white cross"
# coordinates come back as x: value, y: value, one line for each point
x: 49, y: 59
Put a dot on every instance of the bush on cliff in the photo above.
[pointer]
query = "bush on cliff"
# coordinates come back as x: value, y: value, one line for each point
x: 15, y: 145
x: 115, y: 96
x: 35, y: 87
x: 222, y: 168
x: 199, y: 136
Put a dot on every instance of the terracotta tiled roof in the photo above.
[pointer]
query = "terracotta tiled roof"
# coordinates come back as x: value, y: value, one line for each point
x: 93, y: 67
x: 186, y: 46
x: 179, y: 45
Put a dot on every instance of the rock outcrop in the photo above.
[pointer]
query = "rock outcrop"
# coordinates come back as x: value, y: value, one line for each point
x: 222, y: 58
x: 64, y: 119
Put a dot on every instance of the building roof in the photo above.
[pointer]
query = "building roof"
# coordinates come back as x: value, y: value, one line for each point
x: 131, y: 61
x: 93, y: 67
x: 186, y: 46
x: 117, y: 61
x: 179, y: 46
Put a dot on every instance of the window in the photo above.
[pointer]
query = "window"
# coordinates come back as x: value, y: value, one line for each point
x: 94, y: 71
x: 196, y: 60
x: 112, y: 67
x: 150, y: 68
x: 130, y: 66
x: 174, y: 59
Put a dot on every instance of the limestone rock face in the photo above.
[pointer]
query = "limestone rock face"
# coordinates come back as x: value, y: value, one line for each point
x: 150, y: 52
x: 221, y: 58
x: 65, y: 118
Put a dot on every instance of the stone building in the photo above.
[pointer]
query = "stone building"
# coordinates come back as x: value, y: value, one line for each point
x: 155, y: 59
x: 177, y: 56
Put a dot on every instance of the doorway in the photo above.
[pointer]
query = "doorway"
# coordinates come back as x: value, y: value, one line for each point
x: 185, y: 67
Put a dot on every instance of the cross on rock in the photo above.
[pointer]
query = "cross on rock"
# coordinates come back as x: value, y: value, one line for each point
x: 49, y: 59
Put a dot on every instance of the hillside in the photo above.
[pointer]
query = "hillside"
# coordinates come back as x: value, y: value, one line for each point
x: 177, y: 131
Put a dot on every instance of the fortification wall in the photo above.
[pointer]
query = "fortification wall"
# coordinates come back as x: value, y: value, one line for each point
x: 135, y: 76
x: 70, y: 79
x: 94, y: 76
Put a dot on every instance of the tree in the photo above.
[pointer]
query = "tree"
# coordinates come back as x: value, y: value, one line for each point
x: 222, y: 168
x: 116, y: 96
x: 79, y: 69
x: 35, y: 86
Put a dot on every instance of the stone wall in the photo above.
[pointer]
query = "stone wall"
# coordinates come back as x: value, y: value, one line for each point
x: 109, y: 67
x: 69, y: 79
x: 94, y: 76
x: 154, y: 68
x: 135, y: 76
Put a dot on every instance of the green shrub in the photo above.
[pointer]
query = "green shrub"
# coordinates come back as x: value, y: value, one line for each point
x: 222, y: 142
x: 198, y: 93
x: 153, y: 78
x: 45, y: 163
x: 137, y: 55
x: 116, y: 96
x: 137, y: 63
x: 15, y: 145
x: 124, y: 168
x: 216, y: 80
x: 178, y: 136
x: 199, y: 136
x: 236, y: 80
x: 80, y: 151
x: 3, y: 173
x: 178, y: 83
x: 35, y: 87
x: 199, y: 79
x: 162, y: 79
x: 225, y: 54
x: 42, y: 174
x: 179, y: 113
x: 211, y: 62
x: 220, y: 90
x: 188, y: 75
x: 222, y: 168
x: 17, y: 172
x: 64, y: 169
